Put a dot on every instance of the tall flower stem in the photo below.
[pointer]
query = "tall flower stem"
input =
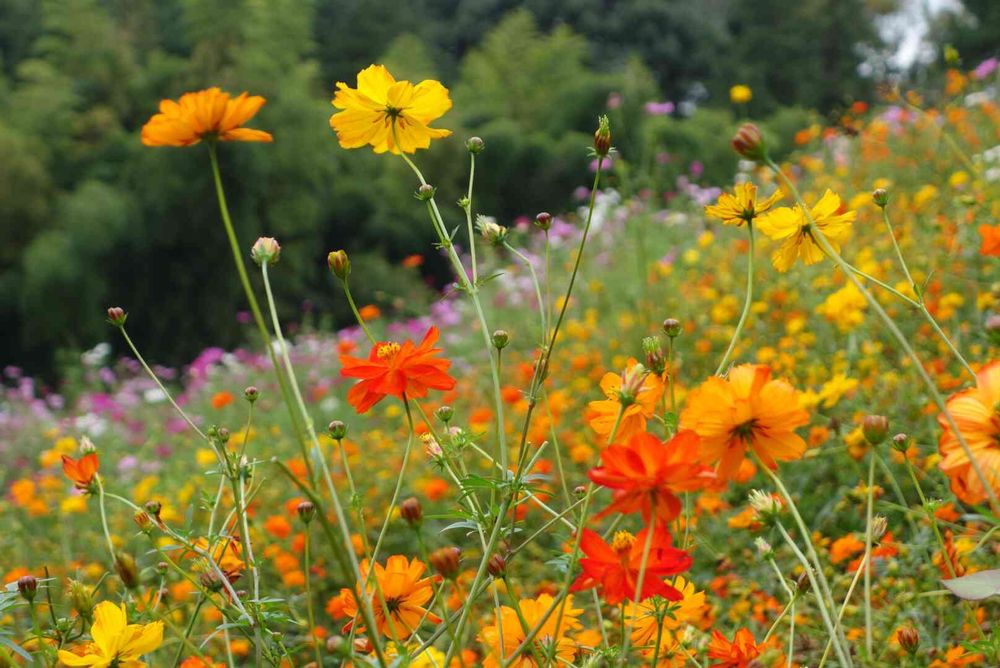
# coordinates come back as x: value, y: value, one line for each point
x: 647, y: 546
x: 258, y: 316
x: 748, y: 302
x: 468, y: 218
x: 862, y: 567
x: 356, y: 312
x: 309, y: 598
x: 869, y: 509
x: 537, y: 285
x: 104, y: 519
x: 832, y: 253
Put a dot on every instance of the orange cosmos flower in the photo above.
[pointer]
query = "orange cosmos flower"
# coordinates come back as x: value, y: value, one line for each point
x: 977, y: 415
x: 739, y: 653
x: 81, y: 471
x: 208, y: 114
x: 747, y: 409
x: 397, y: 370
x: 646, y: 474
x: 991, y: 240
x: 405, y: 593
x: 382, y: 111
x: 615, y: 567
x: 602, y: 414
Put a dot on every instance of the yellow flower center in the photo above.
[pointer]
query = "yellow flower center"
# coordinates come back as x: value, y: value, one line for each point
x: 386, y: 351
x: 622, y: 542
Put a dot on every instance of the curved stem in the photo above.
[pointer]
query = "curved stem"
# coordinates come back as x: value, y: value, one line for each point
x: 746, y: 306
x: 534, y: 281
x: 357, y: 313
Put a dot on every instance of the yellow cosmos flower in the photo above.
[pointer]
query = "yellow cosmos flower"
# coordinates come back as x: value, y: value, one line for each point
x: 742, y: 206
x: 740, y: 94
x: 388, y: 115
x: 791, y: 227
x: 115, y: 641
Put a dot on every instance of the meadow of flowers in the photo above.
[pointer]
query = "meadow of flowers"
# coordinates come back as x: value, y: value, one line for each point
x: 741, y: 424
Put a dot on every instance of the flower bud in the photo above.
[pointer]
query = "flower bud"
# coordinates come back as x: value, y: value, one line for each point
x: 431, y: 446
x: 339, y: 264
x: 475, y: 145
x: 672, y: 327
x: 543, y: 221
x: 127, y: 570
x: 222, y: 435
x: 425, y: 192
x: 500, y: 339
x: 153, y: 507
x: 445, y: 414
x: 336, y: 645
x: 764, y: 548
x: 80, y: 597
x: 446, y: 561
x: 802, y: 583
x: 875, y: 428
x: 143, y: 520
x: 497, y: 566
x: 900, y: 442
x: 210, y: 581
x: 265, y: 249
x: 87, y: 446
x: 764, y: 505
x: 655, y: 358
x: 161, y: 568
x: 117, y: 316
x: 411, y: 511
x: 251, y: 394
x: 491, y: 230
x: 879, y: 526
x: 27, y: 585
x: 337, y: 430
x: 632, y: 381
x: 602, y: 137
x: 881, y: 197
x: 306, y: 511
x: 749, y: 143
x: 579, y: 491
x: 909, y: 639
x: 363, y: 646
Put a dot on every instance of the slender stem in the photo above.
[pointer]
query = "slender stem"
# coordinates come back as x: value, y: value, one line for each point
x: 309, y: 599
x: 788, y: 607
x: 399, y: 482
x: 468, y: 218
x: 882, y: 284
x: 647, y: 546
x: 538, y: 288
x: 862, y: 567
x: 869, y: 509
x: 187, y: 631
x: 746, y: 306
x: 104, y: 519
x: 357, y: 313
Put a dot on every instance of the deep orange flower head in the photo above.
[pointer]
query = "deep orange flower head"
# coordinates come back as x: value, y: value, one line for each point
x: 396, y: 369
x: 991, y: 240
x: 81, y: 471
x: 748, y: 409
x: 601, y: 415
x: 615, y: 567
x: 405, y: 592
x: 646, y: 474
x: 977, y: 415
x: 739, y: 653
x: 206, y: 114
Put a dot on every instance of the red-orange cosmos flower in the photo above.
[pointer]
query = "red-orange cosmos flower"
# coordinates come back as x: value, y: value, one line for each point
x: 396, y: 369
x: 81, y: 471
x: 646, y: 474
x: 748, y: 409
x: 736, y: 654
x: 206, y: 114
x: 991, y: 240
x: 977, y: 415
x: 615, y: 568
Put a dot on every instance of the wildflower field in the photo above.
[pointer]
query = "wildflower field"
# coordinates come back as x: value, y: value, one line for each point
x: 748, y: 423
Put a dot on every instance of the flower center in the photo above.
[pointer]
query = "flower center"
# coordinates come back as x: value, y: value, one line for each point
x: 744, y: 431
x: 393, y: 605
x: 393, y: 112
x: 386, y: 351
x: 622, y: 542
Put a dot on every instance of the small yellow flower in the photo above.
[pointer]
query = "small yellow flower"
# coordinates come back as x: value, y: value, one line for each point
x: 791, y: 227
x: 740, y: 94
x: 388, y: 115
x: 115, y: 642
x: 742, y: 206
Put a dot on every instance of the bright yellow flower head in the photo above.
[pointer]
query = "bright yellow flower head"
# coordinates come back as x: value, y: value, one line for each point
x: 382, y: 112
x: 740, y: 94
x: 791, y: 227
x: 115, y: 641
x: 742, y: 206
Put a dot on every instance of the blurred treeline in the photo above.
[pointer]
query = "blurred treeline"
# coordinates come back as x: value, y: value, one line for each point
x: 90, y: 218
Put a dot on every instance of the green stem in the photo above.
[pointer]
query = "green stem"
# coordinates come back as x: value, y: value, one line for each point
x: 647, y: 546
x: 869, y: 511
x: 468, y: 218
x: 746, y: 306
x: 538, y: 288
x: 862, y: 567
x: 354, y: 309
x: 309, y: 599
x: 187, y: 631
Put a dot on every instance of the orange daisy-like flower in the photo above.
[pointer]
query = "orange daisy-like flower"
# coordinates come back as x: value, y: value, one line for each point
x: 398, y: 370
x: 405, y: 593
x: 646, y: 474
x: 748, y: 409
x: 739, y: 653
x: 615, y: 567
x: 501, y: 641
x: 601, y: 415
x: 977, y: 415
x: 207, y: 114
x: 991, y: 240
x: 388, y: 115
x: 81, y: 471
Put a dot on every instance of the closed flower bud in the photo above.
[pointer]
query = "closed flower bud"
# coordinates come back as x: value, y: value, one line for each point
x: 672, y: 327
x: 445, y: 414
x: 117, y: 316
x: 222, y: 435
x: 655, y: 359
x: 602, y: 137
x: 764, y: 548
x: 446, y: 561
x: 749, y: 143
x: 879, y: 526
x: 411, y: 511
x: 336, y: 645
x: 127, y: 570
x: 265, y: 250
x: 306, y: 511
x: 900, y: 442
x: 475, y: 145
x: 764, y: 505
x: 27, y: 585
x: 579, y: 490
x: 802, y: 583
x: 497, y: 566
x: 210, y: 581
x: 87, y: 446
x: 881, y: 197
x: 500, y: 339
x: 337, y: 430
x: 425, y: 192
x: 909, y: 639
x: 339, y: 264
x: 161, y: 568
x: 80, y: 597
x: 875, y: 428
x: 153, y: 507
x: 143, y: 520
x: 251, y: 394
x: 543, y: 221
